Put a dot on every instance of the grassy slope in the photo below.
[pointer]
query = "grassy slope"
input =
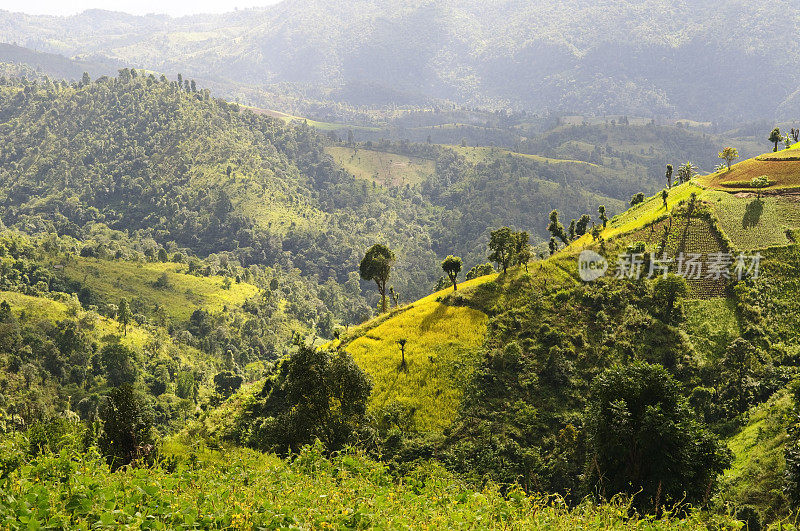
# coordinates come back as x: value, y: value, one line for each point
x: 756, y: 476
x: 711, y: 324
x: 137, y: 338
x: 278, y: 209
x: 441, y: 352
x: 444, y: 333
x: 384, y: 168
x: 481, y: 153
x: 115, y: 280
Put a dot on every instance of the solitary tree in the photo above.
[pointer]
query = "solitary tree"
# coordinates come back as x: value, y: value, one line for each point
x: 669, y: 175
x: 556, y: 228
x: 603, y: 217
x: 124, y: 315
x: 502, y: 243
x: 402, y: 343
x: 664, y: 195
x: 553, y: 246
x: 729, y: 154
x: 583, y: 224
x: 638, y: 198
x: 119, y: 363
x: 522, y: 250
x: 127, y: 427
x: 759, y: 183
x: 376, y: 265
x: 571, y: 230
x: 452, y: 266
x: 686, y: 172
x: 775, y: 137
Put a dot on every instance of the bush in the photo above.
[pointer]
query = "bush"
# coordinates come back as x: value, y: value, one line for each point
x: 645, y: 442
x: 310, y: 395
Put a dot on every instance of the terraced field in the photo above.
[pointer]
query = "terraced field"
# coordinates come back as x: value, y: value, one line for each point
x: 753, y: 223
x: 781, y: 168
x: 689, y: 235
x: 389, y: 169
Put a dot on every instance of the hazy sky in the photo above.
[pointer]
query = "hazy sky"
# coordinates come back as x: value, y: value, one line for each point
x: 136, y: 7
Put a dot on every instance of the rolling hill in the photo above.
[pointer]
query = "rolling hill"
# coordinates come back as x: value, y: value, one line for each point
x: 504, y: 328
x: 621, y: 58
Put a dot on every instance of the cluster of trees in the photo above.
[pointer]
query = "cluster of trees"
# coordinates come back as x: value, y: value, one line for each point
x: 310, y: 395
x: 580, y: 227
x: 509, y: 248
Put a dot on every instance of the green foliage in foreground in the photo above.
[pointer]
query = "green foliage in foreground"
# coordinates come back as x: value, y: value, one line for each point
x: 243, y: 489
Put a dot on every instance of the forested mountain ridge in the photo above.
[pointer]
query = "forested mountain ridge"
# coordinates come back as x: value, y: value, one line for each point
x: 628, y: 57
x: 189, y: 171
x: 164, y: 160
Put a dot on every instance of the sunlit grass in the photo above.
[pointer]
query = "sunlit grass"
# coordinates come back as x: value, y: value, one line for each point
x: 114, y: 280
x: 441, y: 352
x: 382, y: 167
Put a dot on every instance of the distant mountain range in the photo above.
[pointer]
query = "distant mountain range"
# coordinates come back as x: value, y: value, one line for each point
x: 728, y: 60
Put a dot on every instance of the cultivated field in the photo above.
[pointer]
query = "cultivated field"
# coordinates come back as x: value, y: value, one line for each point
x: 389, y: 169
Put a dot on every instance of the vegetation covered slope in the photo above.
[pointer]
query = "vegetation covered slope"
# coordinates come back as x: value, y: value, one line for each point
x: 166, y: 285
x: 427, y: 373
x: 526, y: 415
x: 244, y: 489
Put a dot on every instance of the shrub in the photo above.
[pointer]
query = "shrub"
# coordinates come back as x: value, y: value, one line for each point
x: 310, y: 395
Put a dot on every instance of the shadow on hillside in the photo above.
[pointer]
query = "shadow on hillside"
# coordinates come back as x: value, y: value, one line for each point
x: 752, y: 213
x: 430, y: 319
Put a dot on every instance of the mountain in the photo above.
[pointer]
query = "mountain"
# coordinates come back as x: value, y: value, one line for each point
x: 653, y: 59
x: 50, y: 64
x: 501, y: 369
x: 182, y: 295
x: 172, y: 165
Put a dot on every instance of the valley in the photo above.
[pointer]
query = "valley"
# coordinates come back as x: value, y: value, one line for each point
x: 414, y: 266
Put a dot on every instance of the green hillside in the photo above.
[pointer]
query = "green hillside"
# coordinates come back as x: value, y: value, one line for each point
x: 440, y: 354
x: 541, y: 336
x: 166, y: 285
x: 387, y: 169
x: 182, y: 287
